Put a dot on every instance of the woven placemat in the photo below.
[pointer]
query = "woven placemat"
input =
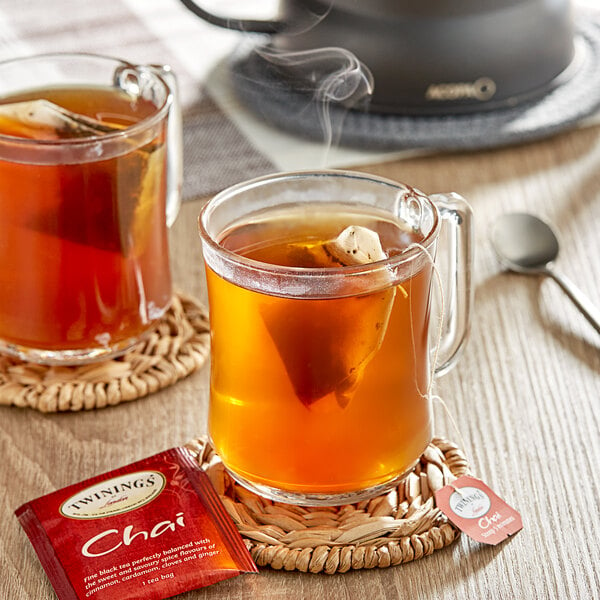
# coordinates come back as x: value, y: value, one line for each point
x: 398, y: 527
x: 177, y: 346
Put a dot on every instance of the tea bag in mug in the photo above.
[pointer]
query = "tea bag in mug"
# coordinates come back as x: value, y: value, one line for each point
x: 319, y: 359
x: 45, y: 120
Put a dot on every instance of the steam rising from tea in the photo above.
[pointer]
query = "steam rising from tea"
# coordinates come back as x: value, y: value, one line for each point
x: 328, y: 76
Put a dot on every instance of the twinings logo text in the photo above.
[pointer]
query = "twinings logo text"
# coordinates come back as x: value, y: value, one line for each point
x: 470, y: 503
x: 482, y: 89
x: 114, y: 496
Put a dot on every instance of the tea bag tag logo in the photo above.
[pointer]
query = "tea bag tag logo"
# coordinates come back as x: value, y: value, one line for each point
x: 477, y: 511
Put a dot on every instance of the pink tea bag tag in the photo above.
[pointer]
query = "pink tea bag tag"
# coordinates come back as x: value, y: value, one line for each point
x: 477, y: 511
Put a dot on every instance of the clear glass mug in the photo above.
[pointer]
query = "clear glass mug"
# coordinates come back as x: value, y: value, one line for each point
x: 85, y: 207
x: 320, y: 373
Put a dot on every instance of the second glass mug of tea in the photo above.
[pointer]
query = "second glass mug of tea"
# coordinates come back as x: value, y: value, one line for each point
x: 321, y: 367
x: 87, y: 194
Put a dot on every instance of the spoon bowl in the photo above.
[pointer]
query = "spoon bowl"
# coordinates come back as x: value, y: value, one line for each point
x: 526, y: 244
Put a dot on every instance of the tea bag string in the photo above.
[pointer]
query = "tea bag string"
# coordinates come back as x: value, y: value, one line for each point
x: 438, y: 340
x: 439, y: 329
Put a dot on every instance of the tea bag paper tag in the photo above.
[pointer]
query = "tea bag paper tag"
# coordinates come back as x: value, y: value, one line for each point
x: 477, y: 511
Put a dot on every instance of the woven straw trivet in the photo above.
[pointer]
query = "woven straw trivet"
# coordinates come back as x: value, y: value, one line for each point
x: 177, y: 346
x: 398, y: 527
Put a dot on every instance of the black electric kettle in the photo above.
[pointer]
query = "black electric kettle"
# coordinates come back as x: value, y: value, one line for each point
x: 430, y: 56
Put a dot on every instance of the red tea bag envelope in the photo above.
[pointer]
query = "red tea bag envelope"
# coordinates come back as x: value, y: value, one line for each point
x: 149, y: 530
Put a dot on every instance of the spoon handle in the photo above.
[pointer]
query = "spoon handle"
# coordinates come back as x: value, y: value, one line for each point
x: 589, y: 311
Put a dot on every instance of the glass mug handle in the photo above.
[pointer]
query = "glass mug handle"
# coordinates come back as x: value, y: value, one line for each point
x: 457, y: 232
x: 140, y: 76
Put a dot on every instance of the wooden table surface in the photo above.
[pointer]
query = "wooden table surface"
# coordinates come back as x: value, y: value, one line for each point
x: 525, y: 397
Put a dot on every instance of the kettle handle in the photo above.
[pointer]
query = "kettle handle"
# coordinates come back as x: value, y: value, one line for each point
x: 251, y: 26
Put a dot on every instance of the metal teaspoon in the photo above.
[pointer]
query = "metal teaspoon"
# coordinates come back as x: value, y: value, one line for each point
x: 526, y: 244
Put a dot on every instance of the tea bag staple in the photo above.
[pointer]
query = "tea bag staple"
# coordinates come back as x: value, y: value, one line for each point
x: 326, y: 346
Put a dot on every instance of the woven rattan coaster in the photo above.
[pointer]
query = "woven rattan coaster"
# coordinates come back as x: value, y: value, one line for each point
x: 177, y: 346
x: 398, y: 527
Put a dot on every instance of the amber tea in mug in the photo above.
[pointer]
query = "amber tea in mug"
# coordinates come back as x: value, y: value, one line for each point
x: 320, y: 365
x: 85, y: 269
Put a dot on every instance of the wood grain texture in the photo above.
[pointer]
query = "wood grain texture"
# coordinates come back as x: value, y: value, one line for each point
x: 525, y: 397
